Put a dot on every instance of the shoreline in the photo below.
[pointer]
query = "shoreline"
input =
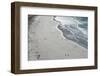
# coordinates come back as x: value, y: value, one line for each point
x: 51, y: 45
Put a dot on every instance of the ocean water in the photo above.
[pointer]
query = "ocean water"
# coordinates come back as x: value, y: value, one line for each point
x: 74, y: 28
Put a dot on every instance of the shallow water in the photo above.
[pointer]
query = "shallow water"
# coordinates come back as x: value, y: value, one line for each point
x: 74, y: 28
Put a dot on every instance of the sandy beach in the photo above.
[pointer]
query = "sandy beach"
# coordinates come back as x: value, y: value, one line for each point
x: 46, y: 41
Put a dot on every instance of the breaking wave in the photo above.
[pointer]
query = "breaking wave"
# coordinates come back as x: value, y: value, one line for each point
x: 74, y: 29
